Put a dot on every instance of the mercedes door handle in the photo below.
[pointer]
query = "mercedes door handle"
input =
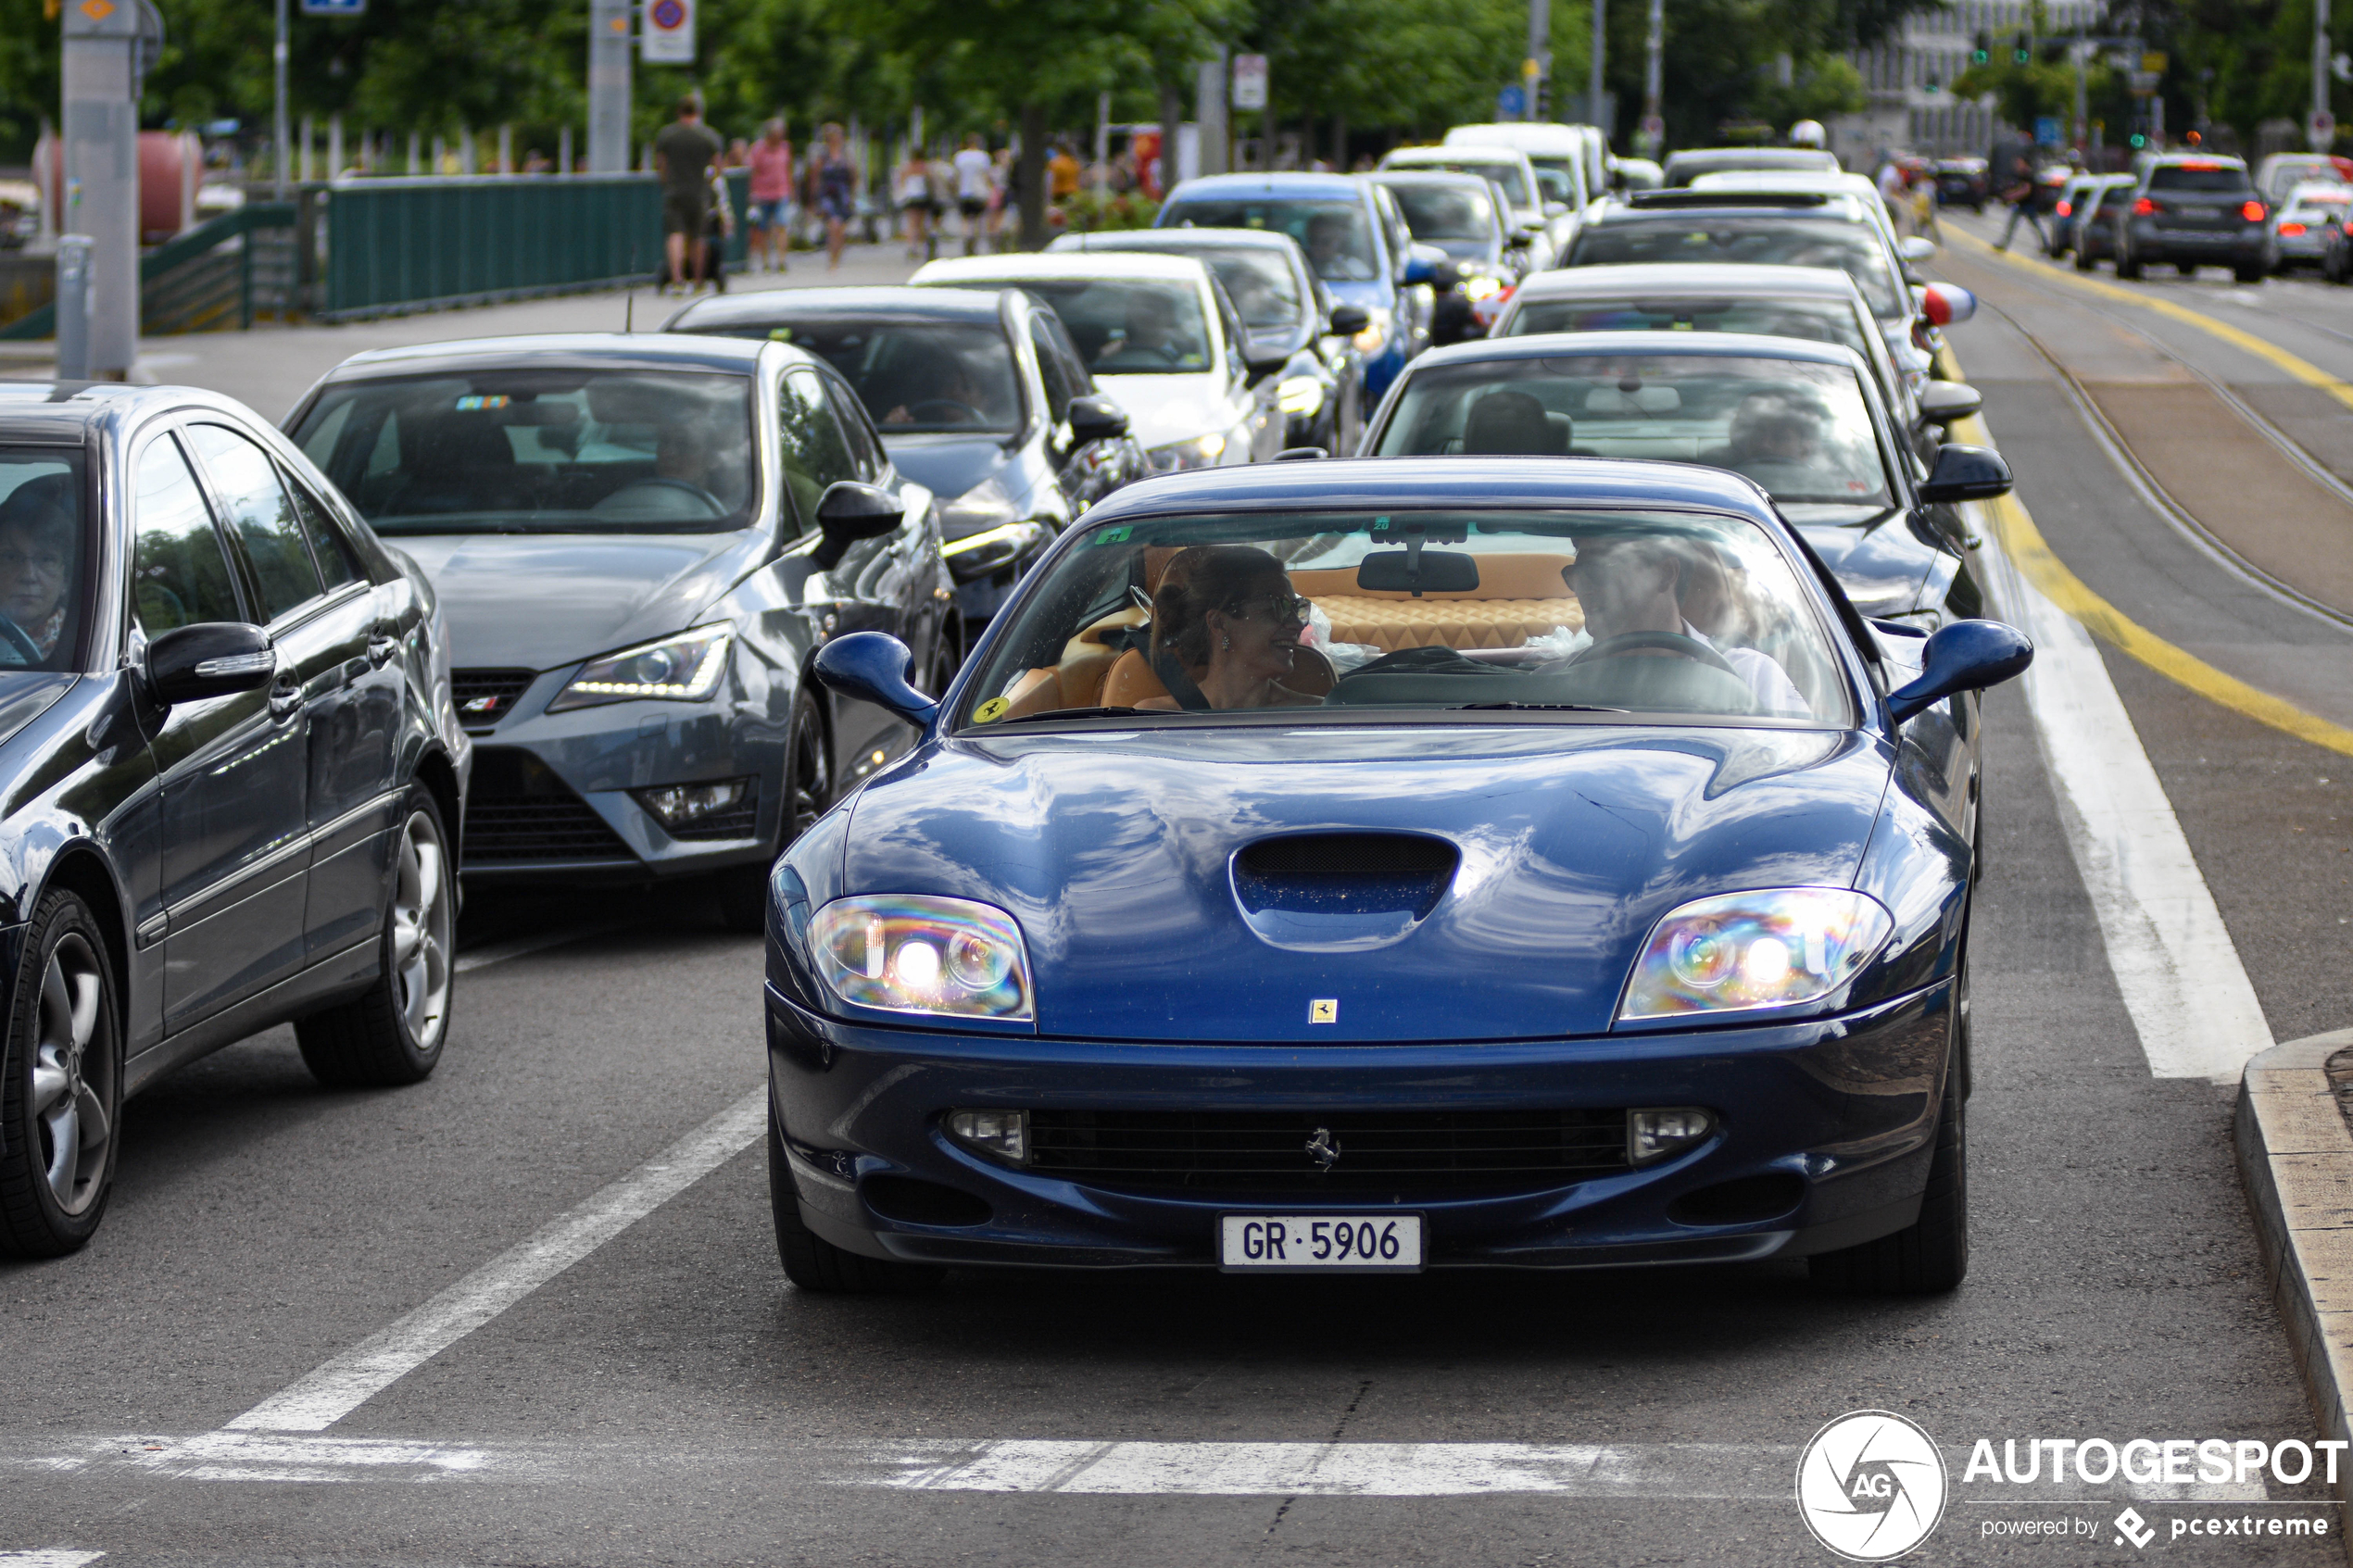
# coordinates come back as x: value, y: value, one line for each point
x: 380, y: 650
x: 285, y: 700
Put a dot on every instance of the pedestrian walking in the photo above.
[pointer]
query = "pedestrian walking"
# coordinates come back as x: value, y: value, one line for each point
x: 834, y: 186
x: 769, y: 244
x: 973, y: 170
x: 683, y: 156
x: 912, y: 190
x: 2014, y: 179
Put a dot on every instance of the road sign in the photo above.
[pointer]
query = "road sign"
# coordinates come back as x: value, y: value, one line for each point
x: 2319, y: 126
x: 2047, y: 131
x: 335, y: 8
x: 1250, y: 82
x: 2145, y: 83
x: 1511, y: 102
x: 668, y: 38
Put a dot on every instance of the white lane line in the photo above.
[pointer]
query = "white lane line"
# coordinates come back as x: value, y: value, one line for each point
x: 53, y: 1557
x: 2173, y: 958
x: 333, y: 1390
x: 521, y: 947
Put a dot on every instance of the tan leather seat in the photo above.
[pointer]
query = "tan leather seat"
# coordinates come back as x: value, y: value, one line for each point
x: 1521, y: 595
x: 1132, y: 679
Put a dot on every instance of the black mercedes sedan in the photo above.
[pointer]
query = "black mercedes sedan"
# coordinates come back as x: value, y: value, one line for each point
x: 979, y: 394
x: 639, y: 540
x: 231, y: 780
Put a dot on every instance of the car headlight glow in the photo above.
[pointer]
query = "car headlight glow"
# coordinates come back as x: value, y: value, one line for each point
x: 986, y: 504
x: 681, y: 669
x: 1300, y: 395
x: 1739, y: 951
x: 1374, y: 337
x: 1199, y: 451
x: 912, y: 953
x: 1479, y: 285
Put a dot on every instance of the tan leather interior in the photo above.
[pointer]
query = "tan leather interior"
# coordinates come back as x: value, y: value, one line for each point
x: 1131, y: 679
x: 1519, y: 597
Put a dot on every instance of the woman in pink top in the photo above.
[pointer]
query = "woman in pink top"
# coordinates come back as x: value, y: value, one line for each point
x: 770, y: 198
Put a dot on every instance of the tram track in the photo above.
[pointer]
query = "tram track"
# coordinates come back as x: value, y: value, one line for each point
x: 2146, y: 483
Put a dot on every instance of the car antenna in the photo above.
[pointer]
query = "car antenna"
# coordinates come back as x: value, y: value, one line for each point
x: 629, y: 311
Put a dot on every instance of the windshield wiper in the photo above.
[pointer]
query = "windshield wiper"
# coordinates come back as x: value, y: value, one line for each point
x: 1547, y: 707
x: 1082, y: 713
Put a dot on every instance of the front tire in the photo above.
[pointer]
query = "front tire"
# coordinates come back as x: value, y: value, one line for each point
x: 811, y: 1261
x: 1930, y: 1256
x: 392, y: 1034
x: 62, y: 1098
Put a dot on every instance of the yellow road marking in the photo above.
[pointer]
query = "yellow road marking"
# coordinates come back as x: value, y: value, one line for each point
x: 2023, y: 542
x: 2271, y: 353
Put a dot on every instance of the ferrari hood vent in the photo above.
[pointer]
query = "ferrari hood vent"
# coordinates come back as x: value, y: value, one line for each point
x: 1329, y: 891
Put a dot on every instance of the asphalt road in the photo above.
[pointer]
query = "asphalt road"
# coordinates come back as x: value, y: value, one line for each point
x: 667, y: 1398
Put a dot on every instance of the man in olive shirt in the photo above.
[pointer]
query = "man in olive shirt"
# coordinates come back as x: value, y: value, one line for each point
x: 683, y: 154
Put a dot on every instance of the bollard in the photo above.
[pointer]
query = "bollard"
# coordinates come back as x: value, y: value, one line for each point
x: 73, y: 306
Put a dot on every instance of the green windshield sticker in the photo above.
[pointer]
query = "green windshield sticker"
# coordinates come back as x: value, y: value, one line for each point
x: 1115, y: 536
x: 469, y: 404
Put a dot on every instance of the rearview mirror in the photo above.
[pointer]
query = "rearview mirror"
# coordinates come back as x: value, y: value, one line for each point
x: 1941, y: 402
x: 1967, y: 656
x: 1416, y: 571
x: 1966, y: 473
x: 849, y: 511
x: 871, y: 667
x: 1347, y: 320
x: 1422, y: 263
x: 1915, y: 247
x: 211, y: 658
x: 1097, y: 418
x: 1947, y: 305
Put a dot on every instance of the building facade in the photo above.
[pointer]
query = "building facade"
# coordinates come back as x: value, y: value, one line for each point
x: 1910, y: 75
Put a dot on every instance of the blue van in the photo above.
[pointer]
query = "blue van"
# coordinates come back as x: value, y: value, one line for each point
x: 1355, y: 238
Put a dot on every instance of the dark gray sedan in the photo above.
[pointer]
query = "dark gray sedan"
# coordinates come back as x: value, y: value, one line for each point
x: 639, y: 541
x: 979, y: 394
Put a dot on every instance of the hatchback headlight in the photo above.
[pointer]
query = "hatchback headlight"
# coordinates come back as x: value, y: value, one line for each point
x: 1300, y: 397
x: 1199, y: 451
x: 1741, y: 951
x: 681, y: 669
x: 1374, y: 337
x: 910, y: 953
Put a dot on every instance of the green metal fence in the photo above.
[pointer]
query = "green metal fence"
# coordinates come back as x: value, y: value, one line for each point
x: 217, y: 276
x: 389, y: 247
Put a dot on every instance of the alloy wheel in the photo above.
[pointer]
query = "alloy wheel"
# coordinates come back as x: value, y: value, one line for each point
x: 71, y: 1075
x: 421, y: 932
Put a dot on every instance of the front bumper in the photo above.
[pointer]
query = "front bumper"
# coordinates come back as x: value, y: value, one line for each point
x: 1832, y: 1121
x: 551, y: 798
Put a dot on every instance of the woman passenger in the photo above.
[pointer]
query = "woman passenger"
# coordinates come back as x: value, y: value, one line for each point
x: 1225, y: 629
x: 37, y: 549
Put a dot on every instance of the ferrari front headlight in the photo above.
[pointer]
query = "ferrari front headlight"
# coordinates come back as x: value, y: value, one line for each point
x: 1741, y: 951
x: 686, y: 667
x: 949, y: 958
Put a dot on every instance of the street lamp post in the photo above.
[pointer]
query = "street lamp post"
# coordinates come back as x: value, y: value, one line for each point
x: 1540, y: 54
x: 1594, y: 78
x: 609, y: 87
x: 2321, y: 131
x: 281, y: 132
x: 1654, y: 99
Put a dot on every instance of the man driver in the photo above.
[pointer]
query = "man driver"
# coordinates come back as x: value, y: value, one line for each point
x: 1630, y: 585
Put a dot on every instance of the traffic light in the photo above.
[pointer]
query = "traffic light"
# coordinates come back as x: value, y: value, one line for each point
x: 2021, y: 52
x: 2139, y: 140
x: 1980, y: 54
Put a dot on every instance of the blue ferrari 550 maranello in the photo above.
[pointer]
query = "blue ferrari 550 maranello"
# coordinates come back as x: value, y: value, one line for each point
x: 1390, y: 865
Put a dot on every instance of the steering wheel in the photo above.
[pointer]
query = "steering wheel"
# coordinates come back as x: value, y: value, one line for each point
x: 658, y: 481
x: 1665, y: 642
x: 17, y: 640
x: 972, y: 415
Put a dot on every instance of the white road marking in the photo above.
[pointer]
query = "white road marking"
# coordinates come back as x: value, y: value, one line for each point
x: 53, y: 1557
x: 521, y: 947
x: 2173, y: 958
x: 335, y: 1389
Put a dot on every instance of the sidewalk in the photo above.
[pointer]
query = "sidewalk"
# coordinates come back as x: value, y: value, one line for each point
x: 270, y: 367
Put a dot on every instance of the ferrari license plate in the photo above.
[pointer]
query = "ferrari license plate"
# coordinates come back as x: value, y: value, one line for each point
x: 1359, y: 1244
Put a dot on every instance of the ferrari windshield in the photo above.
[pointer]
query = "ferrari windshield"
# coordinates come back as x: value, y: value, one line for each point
x: 44, y: 555
x: 1504, y: 615
x: 914, y: 373
x: 540, y: 451
x: 1799, y: 428
x: 1781, y: 239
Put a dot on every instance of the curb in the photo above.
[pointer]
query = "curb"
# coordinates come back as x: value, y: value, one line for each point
x: 2295, y: 1156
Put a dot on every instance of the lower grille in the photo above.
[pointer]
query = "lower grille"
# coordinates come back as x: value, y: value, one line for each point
x: 1282, y: 1151
x: 519, y: 810
x: 484, y: 696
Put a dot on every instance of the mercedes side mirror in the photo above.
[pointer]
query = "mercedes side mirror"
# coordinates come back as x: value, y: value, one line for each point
x: 872, y: 667
x: 211, y: 658
x: 1915, y: 247
x: 1096, y: 419
x: 1422, y: 263
x: 1347, y: 320
x: 1966, y: 473
x: 849, y: 511
x: 1941, y: 402
x: 1967, y: 656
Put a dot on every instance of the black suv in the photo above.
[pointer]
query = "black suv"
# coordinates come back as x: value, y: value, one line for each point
x: 2194, y: 210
